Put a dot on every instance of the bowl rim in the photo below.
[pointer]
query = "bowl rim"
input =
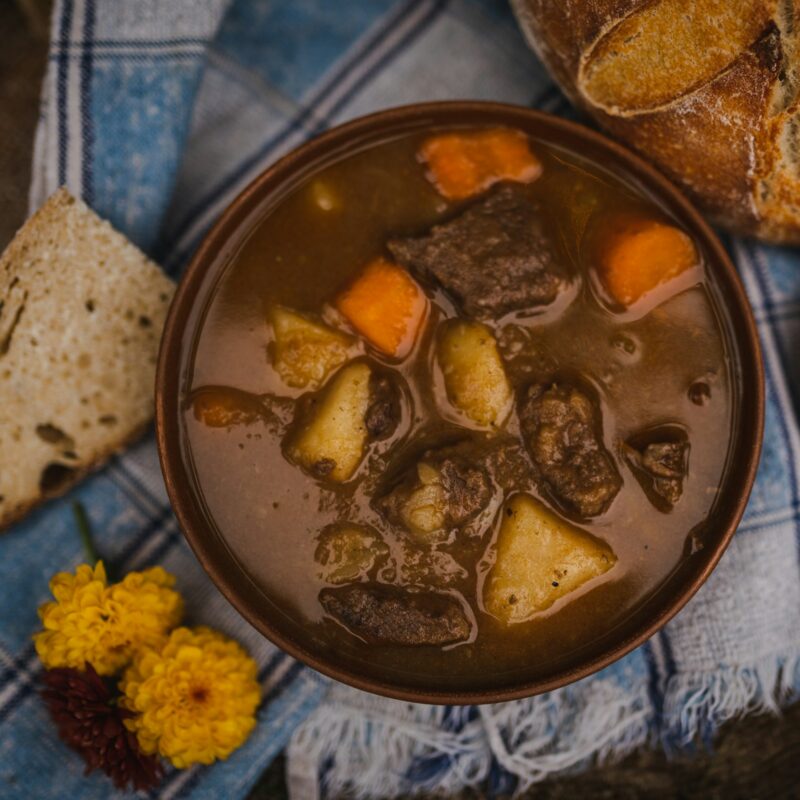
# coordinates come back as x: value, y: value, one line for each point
x: 168, y: 381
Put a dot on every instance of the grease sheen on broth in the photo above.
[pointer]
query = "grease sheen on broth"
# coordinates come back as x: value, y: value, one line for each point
x: 641, y: 364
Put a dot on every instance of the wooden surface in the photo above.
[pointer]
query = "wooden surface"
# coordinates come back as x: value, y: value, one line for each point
x: 755, y: 758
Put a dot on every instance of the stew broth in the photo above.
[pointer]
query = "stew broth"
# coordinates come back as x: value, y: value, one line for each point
x: 660, y: 365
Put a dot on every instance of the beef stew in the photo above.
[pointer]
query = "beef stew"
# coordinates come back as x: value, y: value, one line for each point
x: 455, y: 448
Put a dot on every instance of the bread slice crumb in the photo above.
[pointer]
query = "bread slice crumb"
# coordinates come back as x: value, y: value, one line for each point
x: 81, y: 313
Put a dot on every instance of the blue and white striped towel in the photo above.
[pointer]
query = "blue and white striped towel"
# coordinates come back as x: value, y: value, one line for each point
x: 158, y: 113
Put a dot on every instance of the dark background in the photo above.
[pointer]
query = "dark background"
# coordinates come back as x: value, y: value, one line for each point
x: 754, y: 758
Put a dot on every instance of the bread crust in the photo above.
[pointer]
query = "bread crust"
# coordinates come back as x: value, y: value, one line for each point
x: 728, y: 140
x: 17, y: 514
x: 81, y: 312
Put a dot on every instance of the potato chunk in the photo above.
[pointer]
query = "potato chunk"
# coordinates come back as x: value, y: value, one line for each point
x: 304, y: 352
x: 441, y: 492
x: 424, y: 509
x: 473, y: 371
x: 330, y: 444
x: 325, y: 197
x: 540, y: 558
x: 347, y: 552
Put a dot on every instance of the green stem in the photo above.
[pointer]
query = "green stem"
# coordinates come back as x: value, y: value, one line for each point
x: 85, y: 531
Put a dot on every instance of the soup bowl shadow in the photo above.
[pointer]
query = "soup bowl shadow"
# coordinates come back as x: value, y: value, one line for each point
x: 290, y: 171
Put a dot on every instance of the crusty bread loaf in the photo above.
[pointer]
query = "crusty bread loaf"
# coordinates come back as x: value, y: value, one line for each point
x: 706, y: 89
x: 81, y: 312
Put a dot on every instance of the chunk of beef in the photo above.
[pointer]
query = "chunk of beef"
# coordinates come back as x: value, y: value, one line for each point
x: 666, y: 462
x: 497, y: 256
x: 444, y: 490
x: 383, y: 411
x: 660, y: 467
x: 562, y: 430
x: 389, y: 615
x: 509, y: 466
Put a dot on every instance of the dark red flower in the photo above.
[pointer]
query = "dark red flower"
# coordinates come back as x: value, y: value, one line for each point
x: 89, y: 720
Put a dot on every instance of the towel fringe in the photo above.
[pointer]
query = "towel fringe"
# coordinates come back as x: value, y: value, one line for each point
x: 370, y: 747
x: 565, y: 731
x: 696, y: 704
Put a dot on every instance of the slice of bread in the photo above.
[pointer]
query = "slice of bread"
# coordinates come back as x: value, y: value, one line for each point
x: 81, y: 312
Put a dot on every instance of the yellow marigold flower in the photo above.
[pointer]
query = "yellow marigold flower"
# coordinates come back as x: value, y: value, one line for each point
x: 92, y: 622
x: 195, y: 697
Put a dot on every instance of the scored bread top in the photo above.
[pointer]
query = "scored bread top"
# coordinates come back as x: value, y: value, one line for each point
x: 666, y: 49
x: 709, y: 90
x: 81, y: 313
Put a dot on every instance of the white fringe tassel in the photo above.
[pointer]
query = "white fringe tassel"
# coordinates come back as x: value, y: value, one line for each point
x: 696, y: 704
x: 562, y: 731
x: 366, y: 745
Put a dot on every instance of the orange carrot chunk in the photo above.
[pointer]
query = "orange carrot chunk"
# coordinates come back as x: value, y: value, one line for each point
x: 222, y: 408
x: 466, y: 163
x: 640, y: 254
x: 386, y: 306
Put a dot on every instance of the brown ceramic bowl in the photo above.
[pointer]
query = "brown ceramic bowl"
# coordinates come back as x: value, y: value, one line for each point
x: 269, y: 187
